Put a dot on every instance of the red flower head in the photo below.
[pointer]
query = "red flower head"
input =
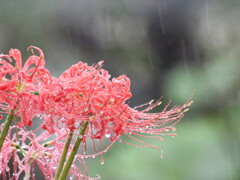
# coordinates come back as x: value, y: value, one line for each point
x: 43, y: 150
x: 18, y: 83
x: 86, y: 93
x: 83, y: 98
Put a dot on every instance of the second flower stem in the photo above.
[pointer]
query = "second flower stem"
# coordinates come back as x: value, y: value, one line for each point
x: 74, y: 152
x: 64, y: 154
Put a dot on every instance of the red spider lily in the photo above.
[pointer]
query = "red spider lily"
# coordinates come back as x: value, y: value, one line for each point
x: 86, y: 93
x: 81, y: 95
x: 29, y: 150
x: 17, y: 84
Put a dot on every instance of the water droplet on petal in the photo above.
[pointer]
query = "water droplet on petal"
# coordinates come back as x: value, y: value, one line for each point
x: 107, y: 135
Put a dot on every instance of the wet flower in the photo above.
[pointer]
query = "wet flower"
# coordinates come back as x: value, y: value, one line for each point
x: 84, y: 103
x: 86, y: 93
x: 28, y: 151
x: 17, y: 83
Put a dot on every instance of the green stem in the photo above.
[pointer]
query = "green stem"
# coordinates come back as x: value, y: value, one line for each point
x: 74, y: 152
x: 6, y: 128
x: 63, y: 157
x: 27, y: 175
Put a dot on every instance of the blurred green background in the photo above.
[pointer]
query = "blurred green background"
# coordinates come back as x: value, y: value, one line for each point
x: 168, y: 48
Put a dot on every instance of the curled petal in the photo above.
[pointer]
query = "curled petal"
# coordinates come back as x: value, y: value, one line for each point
x: 16, y: 54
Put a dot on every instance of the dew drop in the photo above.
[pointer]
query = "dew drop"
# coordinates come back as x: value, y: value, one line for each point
x: 102, y: 160
x: 80, y: 136
x: 173, y: 129
x: 173, y: 135
x: 162, y: 156
x: 107, y: 135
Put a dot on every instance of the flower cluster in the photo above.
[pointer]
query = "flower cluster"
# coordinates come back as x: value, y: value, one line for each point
x: 83, y: 96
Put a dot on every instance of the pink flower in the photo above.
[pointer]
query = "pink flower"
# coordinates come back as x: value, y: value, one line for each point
x: 28, y: 150
x: 18, y: 83
x: 81, y: 95
x: 86, y: 93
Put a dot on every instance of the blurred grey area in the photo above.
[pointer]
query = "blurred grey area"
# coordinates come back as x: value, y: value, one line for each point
x: 168, y: 48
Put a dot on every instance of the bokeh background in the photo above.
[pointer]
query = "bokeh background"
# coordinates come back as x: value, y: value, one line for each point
x: 168, y: 48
